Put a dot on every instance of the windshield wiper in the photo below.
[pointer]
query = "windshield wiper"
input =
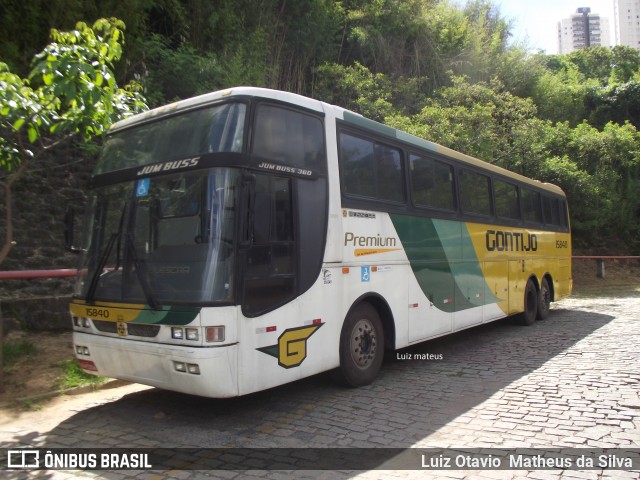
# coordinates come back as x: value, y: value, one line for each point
x: 142, y: 273
x: 93, y: 286
x: 95, y: 279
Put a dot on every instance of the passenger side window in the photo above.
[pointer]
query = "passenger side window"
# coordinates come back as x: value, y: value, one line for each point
x: 531, y: 206
x: 475, y: 192
x: 371, y: 169
x: 551, y: 209
x: 432, y: 183
x: 564, y: 214
x: 507, y: 200
x: 290, y: 137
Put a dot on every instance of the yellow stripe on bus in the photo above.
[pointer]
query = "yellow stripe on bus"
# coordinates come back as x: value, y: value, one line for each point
x: 115, y: 312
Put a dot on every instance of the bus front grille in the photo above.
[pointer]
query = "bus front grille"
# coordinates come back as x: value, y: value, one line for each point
x: 133, y: 329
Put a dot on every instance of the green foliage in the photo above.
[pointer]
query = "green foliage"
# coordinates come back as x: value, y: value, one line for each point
x: 355, y: 88
x: 478, y: 119
x: 562, y: 95
x: 73, y: 376
x: 177, y: 73
x: 71, y: 90
x: 437, y: 68
x: 13, y: 351
x: 617, y: 103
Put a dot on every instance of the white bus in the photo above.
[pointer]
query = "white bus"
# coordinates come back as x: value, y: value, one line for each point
x: 248, y: 238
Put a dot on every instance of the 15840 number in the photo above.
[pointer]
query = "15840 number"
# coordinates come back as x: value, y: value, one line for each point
x: 97, y: 313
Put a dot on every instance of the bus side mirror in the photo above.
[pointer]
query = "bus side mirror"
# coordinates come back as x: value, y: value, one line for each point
x: 69, y: 228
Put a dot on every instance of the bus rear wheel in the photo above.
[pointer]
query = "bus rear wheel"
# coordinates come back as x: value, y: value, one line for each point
x: 544, y: 300
x: 361, y: 347
x: 530, y: 304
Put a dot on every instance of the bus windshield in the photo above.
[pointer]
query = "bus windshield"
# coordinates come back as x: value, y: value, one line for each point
x: 161, y: 240
x: 219, y: 128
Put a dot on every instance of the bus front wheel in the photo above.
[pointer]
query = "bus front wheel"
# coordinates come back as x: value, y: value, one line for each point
x: 361, y: 347
x: 530, y: 304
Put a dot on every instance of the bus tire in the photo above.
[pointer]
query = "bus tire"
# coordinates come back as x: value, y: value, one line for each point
x: 530, y: 313
x: 544, y: 300
x: 361, y: 347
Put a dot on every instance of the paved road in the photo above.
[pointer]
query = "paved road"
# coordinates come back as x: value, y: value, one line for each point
x: 570, y: 381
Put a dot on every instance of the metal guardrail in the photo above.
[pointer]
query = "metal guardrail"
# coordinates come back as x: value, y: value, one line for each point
x: 28, y: 275
x: 600, y: 269
x: 31, y: 274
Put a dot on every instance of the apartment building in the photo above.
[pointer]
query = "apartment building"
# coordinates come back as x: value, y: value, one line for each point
x: 627, y: 22
x: 583, y: 29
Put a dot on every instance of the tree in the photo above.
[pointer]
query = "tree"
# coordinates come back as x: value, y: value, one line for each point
x: 480, y: 120
x: 71, y: 92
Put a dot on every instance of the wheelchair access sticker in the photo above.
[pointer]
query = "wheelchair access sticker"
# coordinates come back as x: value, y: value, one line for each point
x: 142, y: 188
x: 365, y: 274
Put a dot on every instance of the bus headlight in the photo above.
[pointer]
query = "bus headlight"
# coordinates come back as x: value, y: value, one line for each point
x: 193, y: 369
x: 192, y: 334
x: 177, y: 333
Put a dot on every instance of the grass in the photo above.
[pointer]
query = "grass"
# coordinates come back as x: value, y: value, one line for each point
x: 13, y: 351
x: 73, y: 376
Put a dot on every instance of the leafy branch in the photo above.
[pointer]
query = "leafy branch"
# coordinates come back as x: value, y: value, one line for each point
x: 71, y: 92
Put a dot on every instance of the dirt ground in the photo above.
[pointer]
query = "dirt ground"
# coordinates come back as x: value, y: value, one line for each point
x: 32, y: 380
x: 37, y: 374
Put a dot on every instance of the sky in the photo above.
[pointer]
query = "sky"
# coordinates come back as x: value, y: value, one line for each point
x: 535, y: 21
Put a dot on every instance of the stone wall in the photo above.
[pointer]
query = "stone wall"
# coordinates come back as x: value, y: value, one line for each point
x: 39, y: 314
x: 40, y: 199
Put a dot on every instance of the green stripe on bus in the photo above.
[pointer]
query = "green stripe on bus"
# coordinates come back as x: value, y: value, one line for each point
x: 168, y: 316
x: 444, y: 262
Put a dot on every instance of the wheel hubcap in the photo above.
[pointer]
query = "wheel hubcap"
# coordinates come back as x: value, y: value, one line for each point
x: 546, y: 297
x: 363, y: 343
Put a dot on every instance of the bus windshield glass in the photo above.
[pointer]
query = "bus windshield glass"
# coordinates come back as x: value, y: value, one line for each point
x: 219, y: 128
x: 161, y: 240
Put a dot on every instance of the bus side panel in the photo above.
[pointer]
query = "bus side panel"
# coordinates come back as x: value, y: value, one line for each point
x: 517, y: 284
x: 563, y: 285
x: 297, y: 340
x: 497, y: 285
x: 376, y: 263
x: 427, y: 319
x: 510, y: 256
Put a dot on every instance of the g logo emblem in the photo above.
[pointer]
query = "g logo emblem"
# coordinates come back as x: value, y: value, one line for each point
x: 291, y: 349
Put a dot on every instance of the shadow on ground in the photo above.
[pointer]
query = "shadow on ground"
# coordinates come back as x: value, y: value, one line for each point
x: 411, y: 399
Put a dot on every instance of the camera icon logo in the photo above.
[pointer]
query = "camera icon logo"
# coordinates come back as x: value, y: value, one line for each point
x: 23, y: 458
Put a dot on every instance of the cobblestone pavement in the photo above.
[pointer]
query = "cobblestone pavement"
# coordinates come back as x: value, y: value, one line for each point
x: 572, y: 380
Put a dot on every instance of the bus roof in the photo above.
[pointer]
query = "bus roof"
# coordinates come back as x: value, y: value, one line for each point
x: 212, y: 97
x: 363, y: 122
x: 346, y: 115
